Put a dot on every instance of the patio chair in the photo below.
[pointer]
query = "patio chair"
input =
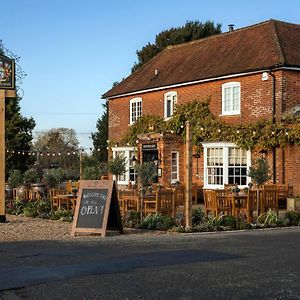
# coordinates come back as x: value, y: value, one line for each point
x: 223, y: 202
x: 283, y: 193
x: 210, y: 202
x: 269, y: 198
x: 252, y: 199
x: 165, y: 202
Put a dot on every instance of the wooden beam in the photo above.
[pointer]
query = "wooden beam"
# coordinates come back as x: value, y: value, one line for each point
x: 188, y: 172
x: 2, y: 156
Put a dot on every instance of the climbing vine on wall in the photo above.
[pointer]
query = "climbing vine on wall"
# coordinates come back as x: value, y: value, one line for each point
x: 208, y: 128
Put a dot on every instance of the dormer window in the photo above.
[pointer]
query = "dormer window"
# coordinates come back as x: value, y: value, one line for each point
x: 231, y: 98
x: 135, y: 109
x: 169, y: 104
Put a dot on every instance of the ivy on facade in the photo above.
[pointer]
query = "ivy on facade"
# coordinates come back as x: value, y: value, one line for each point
x: 208, y: 128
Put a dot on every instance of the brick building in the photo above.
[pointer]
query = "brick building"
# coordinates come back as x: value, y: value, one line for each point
x: 249, y: 74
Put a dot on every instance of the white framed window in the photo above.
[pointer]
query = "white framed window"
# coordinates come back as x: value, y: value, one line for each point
x: 130, y: 174
x: 174, y: 167
x: 135, y: 109
x: 225, y: 163
x: 231, y: 98
x: 170, y: 101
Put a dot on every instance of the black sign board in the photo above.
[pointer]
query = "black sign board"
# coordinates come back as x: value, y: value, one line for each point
x: 7, y: 73
x: 149, y: 146
x: 97, y: 208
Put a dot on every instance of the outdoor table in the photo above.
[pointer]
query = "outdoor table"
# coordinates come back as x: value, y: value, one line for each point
x: 68, y: 201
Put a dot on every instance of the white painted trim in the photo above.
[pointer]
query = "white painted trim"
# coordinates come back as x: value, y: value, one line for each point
x: 225, y: 147
x: 177, y: 164
x: 134, y: 100
x: 231, y: 85
x: 127, y: 151
x: 172, y: 94
x: 291, y: 68
x: 187, y: 83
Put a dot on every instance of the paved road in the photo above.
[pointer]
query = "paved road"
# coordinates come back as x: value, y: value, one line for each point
x: 237, y: 265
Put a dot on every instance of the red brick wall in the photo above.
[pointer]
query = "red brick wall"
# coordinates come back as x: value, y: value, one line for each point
x: 291, y: 165
x: 256, y: 101
x: 291, y: 89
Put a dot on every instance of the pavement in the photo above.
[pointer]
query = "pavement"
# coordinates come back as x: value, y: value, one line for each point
x: 257, y: 264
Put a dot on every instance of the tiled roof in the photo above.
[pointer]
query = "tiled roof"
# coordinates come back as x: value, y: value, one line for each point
x: 257, y: 47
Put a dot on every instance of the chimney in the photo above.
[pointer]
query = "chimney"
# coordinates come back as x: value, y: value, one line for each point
x: 230, y: 27
x: 156, y: 71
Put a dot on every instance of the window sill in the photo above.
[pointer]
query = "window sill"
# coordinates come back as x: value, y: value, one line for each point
x: 230, y: 114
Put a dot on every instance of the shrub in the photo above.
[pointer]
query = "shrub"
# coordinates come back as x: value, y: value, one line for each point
x: 32, y: 176
x: 131, y: 219
x: 61, y: 214
x: 43, y: 207
x: 224, y: 222
x: 157, y: 222
x: 291, y: 218
x: 54, y: 176
x: 30, y: 210
x: 197, y: 216
x: 15, y: 177
x: 268, y: 219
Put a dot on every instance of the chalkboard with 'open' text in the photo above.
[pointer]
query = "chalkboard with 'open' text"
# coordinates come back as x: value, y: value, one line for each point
x: 96, y: 208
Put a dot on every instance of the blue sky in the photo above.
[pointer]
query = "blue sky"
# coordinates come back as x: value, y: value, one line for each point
x: 73, y: 51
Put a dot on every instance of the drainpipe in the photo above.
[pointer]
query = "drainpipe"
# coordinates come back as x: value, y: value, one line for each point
x: 273, y: 121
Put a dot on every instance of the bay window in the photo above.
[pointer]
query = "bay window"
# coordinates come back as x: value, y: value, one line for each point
x: 225, y: 163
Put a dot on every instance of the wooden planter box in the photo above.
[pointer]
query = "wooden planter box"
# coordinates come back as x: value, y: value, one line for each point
x: 293, y: 203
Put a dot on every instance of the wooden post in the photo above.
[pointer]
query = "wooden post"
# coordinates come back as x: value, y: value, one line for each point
x: 2, y: 156
x: 80, y: 165
x: 188, y: 172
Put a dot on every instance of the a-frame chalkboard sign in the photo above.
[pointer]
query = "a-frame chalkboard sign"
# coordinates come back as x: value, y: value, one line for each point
x: 97, y: 208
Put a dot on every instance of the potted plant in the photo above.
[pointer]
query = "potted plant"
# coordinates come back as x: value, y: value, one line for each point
x: 260, y: 171
x: 260, y: 174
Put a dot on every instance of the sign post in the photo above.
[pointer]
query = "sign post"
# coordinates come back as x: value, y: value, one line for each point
x: 7, y: 89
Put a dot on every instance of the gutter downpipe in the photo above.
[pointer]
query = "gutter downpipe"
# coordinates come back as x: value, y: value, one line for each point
x: 273, y: 121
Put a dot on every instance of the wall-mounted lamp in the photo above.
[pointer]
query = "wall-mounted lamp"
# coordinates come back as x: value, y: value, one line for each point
x: 134, y: 160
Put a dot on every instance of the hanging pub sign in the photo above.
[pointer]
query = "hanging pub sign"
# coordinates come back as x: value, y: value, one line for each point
x: 7, y: 73
x: 97, y: 208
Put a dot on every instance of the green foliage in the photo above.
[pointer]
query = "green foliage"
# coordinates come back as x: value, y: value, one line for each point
x: 260, y: 171
x: 145, y: 124
x: 147, y: 172
x: 268, y: 219
x: 224, y: 222
x: 101, y: 136
x: 15, y: 206
x: 92, y: 168
x: 117, y: 166
x: 131, y: 219
x: 157, y: 222
x: 43, y: 207
x: 32, y: 176
x: 15, y: 177
x: 292, y: 218
x: 54, y: 176
x: 30, y: 210
x: 62, y: 215
x: 192, y: 30
x: 197, y: 216
x: 208, y: 128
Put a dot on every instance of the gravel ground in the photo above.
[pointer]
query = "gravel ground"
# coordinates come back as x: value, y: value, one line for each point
x: 18, y: 228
